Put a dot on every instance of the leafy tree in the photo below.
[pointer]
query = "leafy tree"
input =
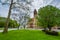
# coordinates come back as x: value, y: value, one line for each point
x: 48, y: 16
x: 12, y: 23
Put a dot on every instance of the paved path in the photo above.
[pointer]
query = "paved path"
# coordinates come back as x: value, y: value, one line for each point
x: 1, y: 30
x: 26, y: 29
x: 9, y: 29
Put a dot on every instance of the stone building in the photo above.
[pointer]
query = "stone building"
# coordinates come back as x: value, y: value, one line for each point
x: 32, y: 23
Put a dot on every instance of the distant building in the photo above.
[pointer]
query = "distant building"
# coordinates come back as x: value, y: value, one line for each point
x: 32, y: 22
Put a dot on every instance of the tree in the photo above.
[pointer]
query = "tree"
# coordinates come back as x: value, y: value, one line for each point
x: 24, y: 9
x: 12, y: 23
x: 8, y: 18
x: 48, y: 16
x: 15, y: 4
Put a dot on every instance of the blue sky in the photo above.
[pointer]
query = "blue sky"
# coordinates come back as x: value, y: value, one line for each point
x: 36, y: 5
x: 3, y: 10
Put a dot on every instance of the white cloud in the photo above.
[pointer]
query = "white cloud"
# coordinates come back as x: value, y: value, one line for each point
x: 36, y: 5
x: 3, y: 10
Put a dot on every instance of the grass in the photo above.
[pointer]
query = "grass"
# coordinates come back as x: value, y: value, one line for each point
x: 27, y: 35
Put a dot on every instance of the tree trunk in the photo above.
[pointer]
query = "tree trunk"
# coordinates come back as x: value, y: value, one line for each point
x: 24, y: 26
x: 18, y: 27
x: 45, y: 29
x: 49, y: 28
x: 8, y: 18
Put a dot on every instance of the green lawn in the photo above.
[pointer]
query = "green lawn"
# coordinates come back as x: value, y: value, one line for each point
x: 27, y: 35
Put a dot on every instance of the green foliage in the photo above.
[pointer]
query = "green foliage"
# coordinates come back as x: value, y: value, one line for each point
x: 48, y: 15
x: 12, y: 23
x: 2, y: 21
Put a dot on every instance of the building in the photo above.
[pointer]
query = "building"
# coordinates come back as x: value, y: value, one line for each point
x: 32, y: 22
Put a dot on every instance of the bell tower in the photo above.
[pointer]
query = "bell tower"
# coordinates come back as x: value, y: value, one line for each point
x: 32, y: 23
x: 35, y: 14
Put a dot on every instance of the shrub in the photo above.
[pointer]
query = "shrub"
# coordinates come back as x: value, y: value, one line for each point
x: 52, y: 33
